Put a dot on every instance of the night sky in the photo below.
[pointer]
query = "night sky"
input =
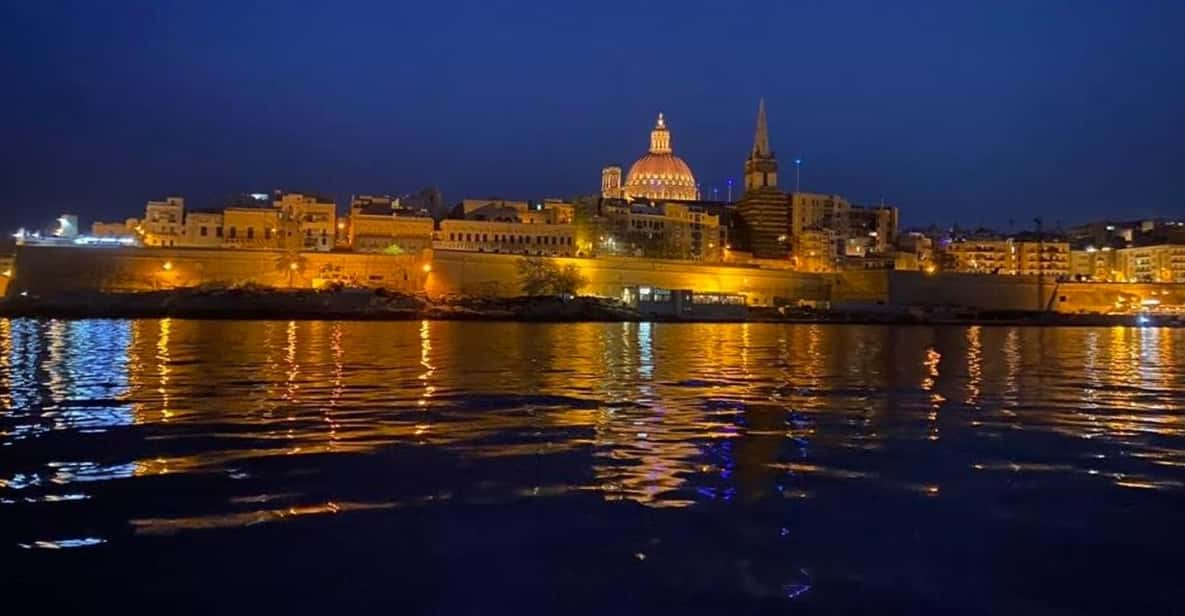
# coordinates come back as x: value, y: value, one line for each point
x: 970, y: 112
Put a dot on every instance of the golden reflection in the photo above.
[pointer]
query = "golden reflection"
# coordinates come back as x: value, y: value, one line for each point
x: 426, y: 362
x: 6, y: 363
x: 659, y: 414
x: 930, y: 363
x: 974, y: 365
x: 167, y: 526
x: 162, y: 366
x: 1012, y: 363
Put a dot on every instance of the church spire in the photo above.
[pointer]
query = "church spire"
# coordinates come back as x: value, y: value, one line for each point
x: 761, y: 168
x: 761, y: 138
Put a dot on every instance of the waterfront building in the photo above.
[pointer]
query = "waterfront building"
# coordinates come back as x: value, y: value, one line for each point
x: 1158, y: 263
x: 814, y: 250
x: 116, y: 230
x: 984, y: 253
x: 980, y: 253
x: 915, y: 252
x: 1096, y: 264
x: 515, y: 227
x: 309, y: 221
x: 823, y: 211
x: 203, y: 228
x: 164, y: 222
x: 763, y: 208
x: 876, y: 223
x: 382, y: 224
x: 246, y: 226
x: 669, y: 230
x: 658, y: 175
x: 1046, y: 257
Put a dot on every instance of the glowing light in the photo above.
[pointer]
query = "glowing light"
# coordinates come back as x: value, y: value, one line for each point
x: 7, y: 273
x: 292, y: 266
x: 427, y: 268
x: 167, y: 266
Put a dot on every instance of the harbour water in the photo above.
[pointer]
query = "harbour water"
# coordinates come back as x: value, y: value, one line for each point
x: 451, y: 467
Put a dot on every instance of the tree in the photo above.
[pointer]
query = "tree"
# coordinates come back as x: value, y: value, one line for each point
x: 291, y: 263
x: 570, y: 280
x: 542, y: 276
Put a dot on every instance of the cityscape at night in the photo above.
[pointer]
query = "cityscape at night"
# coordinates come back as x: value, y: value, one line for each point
x: 656, y: 307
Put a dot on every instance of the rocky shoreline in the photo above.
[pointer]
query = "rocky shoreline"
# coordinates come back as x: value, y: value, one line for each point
x: 359, y: 304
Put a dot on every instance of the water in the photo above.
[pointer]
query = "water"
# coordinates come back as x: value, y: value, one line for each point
x: 234, y: 466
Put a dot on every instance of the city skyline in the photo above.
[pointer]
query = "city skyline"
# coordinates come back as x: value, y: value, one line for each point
x: 988, y: 114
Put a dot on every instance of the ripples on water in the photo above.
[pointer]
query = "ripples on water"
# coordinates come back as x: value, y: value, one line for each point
x: 673, y: 465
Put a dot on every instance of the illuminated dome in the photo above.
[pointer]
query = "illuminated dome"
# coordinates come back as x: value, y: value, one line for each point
x: 660, y: 174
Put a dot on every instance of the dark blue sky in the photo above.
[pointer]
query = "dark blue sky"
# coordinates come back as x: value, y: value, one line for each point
x: 957, y: 111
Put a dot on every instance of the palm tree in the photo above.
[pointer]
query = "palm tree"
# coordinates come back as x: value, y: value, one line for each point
x: 292, y: 263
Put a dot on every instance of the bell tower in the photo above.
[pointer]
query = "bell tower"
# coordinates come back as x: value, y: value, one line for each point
x: 761, y: 168
x: 764, y: 210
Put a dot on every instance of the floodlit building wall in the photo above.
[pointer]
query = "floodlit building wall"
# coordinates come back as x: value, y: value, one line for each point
x: 54, y: 269
x: 497, y: 275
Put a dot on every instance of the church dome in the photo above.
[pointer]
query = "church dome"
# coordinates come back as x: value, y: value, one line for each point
x: 660, y: 174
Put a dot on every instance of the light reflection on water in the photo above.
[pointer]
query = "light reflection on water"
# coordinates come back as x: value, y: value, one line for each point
x: 276, y: 421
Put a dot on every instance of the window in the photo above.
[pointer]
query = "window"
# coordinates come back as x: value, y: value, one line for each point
x: 202, y: 231
x: 217, y: 231
x: 250, y: 233
x: 232, y: 232
x: 267, y: 234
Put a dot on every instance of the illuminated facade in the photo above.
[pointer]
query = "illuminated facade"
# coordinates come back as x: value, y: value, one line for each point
x: 309, y: 222
x: 1049, y: 258
x: 1007, y: 256
x: 514, y: 227
x: 251, y: 227
x: 164, y: 222
x: 659, y: 174
x: 809, y: 210
x: 668, y: 230
x: 763, y: 208
x: 126, y: 229
x: 203, y: 228
x: 381, y: 224
x: 1160, y: 263
x: 814, y: 250
x: 611, y: 187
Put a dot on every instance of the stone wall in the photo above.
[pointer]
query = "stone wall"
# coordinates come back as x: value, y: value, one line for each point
x: 50, y: 269
x: 1108, y: 296
x: 973, y: 291
x: 471, y: 273
x: 990, y: 292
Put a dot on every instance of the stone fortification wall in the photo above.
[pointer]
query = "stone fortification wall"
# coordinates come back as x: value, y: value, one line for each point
x: 987, y: 292
x: 50, y: 269
x: 1103, y: 297
x: 469, y: 273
